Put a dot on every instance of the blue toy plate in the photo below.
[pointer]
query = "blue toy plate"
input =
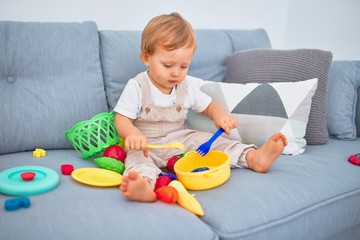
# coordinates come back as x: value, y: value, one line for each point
x: 11, y: 182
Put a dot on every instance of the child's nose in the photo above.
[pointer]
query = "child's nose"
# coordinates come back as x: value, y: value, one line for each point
x: 175, y: 72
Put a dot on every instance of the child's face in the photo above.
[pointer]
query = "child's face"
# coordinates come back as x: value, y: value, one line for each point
x: 168, y: 68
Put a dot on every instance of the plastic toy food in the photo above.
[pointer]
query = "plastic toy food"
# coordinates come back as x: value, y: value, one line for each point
x: 39, y: 153
x: 162, y: 181
x: 171, y: 162
x: 27, y: 176
x: 66, y: 169
x: 110, y: 164
x: 167, y: 194
x: 116, y: 152
x: 187, y: 200
x: 200, y: 169
x: 170, y: 175
x: 16, y: 203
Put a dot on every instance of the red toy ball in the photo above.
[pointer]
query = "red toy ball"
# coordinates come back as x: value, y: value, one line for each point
x: 115, y: 152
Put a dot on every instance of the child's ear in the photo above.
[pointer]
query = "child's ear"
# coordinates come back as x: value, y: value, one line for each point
x: 145, y: 58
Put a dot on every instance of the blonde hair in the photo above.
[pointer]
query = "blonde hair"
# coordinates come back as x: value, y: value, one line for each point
x: 168, y: 31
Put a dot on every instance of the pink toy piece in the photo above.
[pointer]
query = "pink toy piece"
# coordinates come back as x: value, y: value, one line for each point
x: 115, y: 151
x: 27, y: 176
x: 66, y: 169
x: 16, y: 203
x: 162, y: 181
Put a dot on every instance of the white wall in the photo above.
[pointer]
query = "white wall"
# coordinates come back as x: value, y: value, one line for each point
x: 134, y: 14
x: 326, y: 24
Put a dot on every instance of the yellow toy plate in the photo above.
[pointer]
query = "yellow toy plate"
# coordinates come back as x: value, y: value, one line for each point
x: 97, y: 177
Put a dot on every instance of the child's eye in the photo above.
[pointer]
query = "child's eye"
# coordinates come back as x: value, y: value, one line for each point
x: 184, y: 67
x: 167, y: 65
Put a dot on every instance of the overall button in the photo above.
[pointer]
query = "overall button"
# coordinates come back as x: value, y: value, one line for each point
x: 10, y: 79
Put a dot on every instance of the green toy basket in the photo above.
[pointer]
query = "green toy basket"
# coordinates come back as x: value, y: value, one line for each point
x: 93, y: 136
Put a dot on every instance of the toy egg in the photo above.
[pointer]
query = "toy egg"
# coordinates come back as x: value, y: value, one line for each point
x: 217, y: 164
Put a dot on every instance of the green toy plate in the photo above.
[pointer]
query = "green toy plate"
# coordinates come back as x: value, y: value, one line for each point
x: 11, y: 182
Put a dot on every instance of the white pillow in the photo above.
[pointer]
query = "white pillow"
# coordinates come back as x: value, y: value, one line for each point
x: 262, y: 110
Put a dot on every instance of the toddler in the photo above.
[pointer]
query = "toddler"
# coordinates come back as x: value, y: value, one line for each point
x: 153, y: 107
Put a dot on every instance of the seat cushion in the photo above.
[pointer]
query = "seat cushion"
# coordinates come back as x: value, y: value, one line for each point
x: 77, y: 211
x: 50, y: 79
x: 310, y: 196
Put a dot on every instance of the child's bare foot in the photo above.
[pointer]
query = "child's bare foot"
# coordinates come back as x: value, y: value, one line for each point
x: 136, y: 188
x: 261, y: 159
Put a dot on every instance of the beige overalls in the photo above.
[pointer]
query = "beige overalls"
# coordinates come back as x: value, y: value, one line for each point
x: 162, y: 125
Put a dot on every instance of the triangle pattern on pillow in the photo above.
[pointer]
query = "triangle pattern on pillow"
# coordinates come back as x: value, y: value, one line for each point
x: 264, y: 100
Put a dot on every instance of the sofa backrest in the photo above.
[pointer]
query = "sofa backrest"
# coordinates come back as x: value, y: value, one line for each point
x: 50, y: 79
x: 120, y: 55
x: 53, y: 75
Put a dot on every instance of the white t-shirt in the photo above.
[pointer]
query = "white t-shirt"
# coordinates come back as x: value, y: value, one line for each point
x: 129, y: 103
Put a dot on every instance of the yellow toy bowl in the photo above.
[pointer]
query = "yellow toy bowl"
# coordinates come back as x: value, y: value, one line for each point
x: 219, y: 170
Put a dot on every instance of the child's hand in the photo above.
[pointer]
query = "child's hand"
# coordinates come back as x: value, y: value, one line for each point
x: 220, y: 117
x: 137, y: 141
x: 226, y: 121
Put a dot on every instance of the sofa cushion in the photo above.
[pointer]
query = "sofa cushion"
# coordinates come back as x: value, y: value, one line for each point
x: 77, y: 211
x: 344, y: 81
x: 120, y: 59
x: 310, y: 196
x: 271, y: 65
x: 210, y: 57
x: 50, y: 79
x: 120, y: 55
x: 262, y: 110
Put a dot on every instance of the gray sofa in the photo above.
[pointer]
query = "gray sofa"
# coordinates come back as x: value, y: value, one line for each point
x: 54, y: 75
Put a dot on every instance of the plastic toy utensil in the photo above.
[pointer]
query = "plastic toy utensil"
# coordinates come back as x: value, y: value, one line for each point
x: 205, y: 147
x: 170, y: 145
